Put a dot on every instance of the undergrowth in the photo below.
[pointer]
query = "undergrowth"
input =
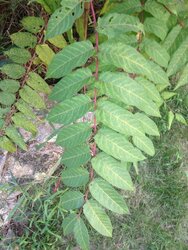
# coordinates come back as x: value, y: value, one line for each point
x: 158, y: 209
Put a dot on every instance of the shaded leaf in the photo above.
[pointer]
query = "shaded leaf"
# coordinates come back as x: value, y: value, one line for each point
x: 69, y: 223
x: 81, y: 234
x: 181, y: 82
x: 7, y: 98
x: 13, y: 70
x: 18, y: 55
x: 76, y: 156
x: 71, y: 200
x: 9, y: 85
x: 70, y: 84
x: 15, y: 136
x: 70, y: 110
x: 73, y: 135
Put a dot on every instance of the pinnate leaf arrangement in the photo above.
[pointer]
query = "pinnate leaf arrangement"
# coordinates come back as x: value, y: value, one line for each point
x: 121, y: 77
x: 21, y: 85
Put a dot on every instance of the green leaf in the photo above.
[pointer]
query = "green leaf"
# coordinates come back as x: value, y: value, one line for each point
x: 128, y: 58
x: 7, y: 98
x: 13, y: 70
x: 24, y: 108
x: 170, y: 119
x: 69, y: 223
x: 144, y: 143
x: 6, y: 144
x: 9, y: 85
x: 167, y: 95
x: 150, y: 89
x: 2, y: 123
x: 107, y: 196
x: 15, y: 136
x: 171, y: 37
x: 70, y: 84
x: 58, y: 41
x: 4, y: 111
x: 75, y: 177
x: 118, y: 146
x: 97, y: 217
x: 72, y: 200
x: 112, y: 171
x: 121, y: 87
x: 179, y: 117
x: 178, y: 59
x: 18, y: 55
x: 32, y: 98
x: 156, y: 26
x: 118, y: 119
x: 81, y: 234
x: 76, y: 156
x: 126, y: 7
x: 64, y: 17
x: 45, y: 53
x: 149, y: 127
x: 22, y: 122
x: 37, y: 83
x: 71, y: 57
x: 49, y: 5
x: 157, y: 10
x: 73, y: 135
x: 32, y: 24
x: 70, y: 110
x: 24, y: 39
x: 183, y: 80
x: 156, y: 52
x: 115, y: 24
